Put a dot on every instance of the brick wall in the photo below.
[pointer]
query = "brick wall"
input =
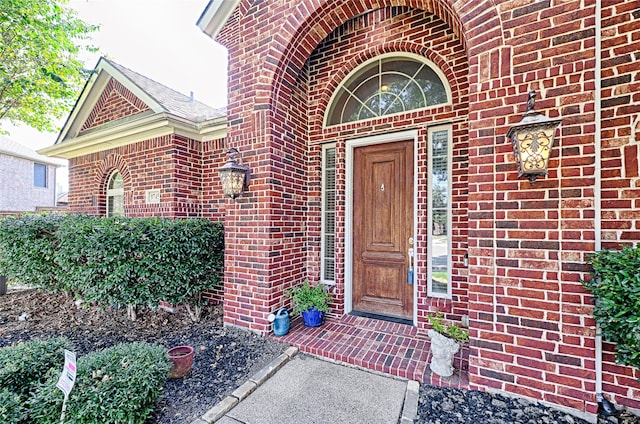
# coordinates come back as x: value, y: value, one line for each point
x: 532, y: 334
x: 17, y: 190
x: 115, y: 102
x: 171, y: 164
x: 530, y: 318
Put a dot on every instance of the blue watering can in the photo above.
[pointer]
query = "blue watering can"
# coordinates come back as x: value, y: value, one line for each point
x: 281, y: 322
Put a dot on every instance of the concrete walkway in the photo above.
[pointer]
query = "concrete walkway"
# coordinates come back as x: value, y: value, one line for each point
x: 303, y: 389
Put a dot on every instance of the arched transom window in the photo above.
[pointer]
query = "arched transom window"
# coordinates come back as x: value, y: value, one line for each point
x: 385, y: 86
x: 115, y: 195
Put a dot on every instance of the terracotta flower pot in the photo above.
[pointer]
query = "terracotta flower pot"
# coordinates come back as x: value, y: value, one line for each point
x: 181, y: 358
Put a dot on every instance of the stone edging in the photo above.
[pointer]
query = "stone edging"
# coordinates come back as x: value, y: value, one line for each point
x: 227, y: 404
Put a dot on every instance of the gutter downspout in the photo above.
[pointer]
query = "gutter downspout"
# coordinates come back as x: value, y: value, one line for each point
x: 605, y: 408
x: 598, y: 178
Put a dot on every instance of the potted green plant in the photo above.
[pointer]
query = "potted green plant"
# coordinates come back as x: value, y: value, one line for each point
x: 312, y: 302
x: 445, y: 343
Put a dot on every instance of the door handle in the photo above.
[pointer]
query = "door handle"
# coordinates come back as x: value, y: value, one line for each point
x: 410, y: 270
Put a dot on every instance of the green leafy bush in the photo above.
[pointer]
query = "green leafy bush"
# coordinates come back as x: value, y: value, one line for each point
x: 11, y: 410
x: 27, y: 248
x: 116, y: 385
x: 102, y: 255
x: 140, y: 261
x: 615, y: 285
x: 24, y: 365
x: 187, y: 258
x: 116, y: 261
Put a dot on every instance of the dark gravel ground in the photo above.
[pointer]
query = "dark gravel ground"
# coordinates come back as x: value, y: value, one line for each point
x: 453, y: 406
x: 226, y: 357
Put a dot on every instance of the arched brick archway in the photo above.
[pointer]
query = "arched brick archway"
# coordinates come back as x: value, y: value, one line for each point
x: 261, y: 126
x: 309, y: 25
x: 103, y: 173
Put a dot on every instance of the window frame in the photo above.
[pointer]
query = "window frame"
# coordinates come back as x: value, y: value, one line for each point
x: 400, y: 56
x: 449, y: 129
x: 113, y: 192
x: 323, y: 213
x: 39, y: 166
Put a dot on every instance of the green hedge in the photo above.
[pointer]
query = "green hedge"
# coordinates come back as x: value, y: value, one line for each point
x: 115, y: 385
x: 615, y: 285
x: 27, y: 247
x: 24, y: 365
x: 114, y: 261
x: 104, y: 259
x: 11, y: 409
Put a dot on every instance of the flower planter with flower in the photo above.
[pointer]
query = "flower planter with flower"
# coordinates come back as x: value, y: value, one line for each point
x: 446, y: 341
x: 312, y: 302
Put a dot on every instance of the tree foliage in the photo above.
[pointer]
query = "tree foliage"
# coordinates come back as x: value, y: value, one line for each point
x: 40, y: 70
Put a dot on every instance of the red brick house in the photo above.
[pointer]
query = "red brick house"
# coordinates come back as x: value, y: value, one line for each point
x: 369, y: 125
x: 376, y: 137
x: 138, y: 148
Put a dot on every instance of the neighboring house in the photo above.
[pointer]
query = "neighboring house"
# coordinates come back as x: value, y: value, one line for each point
x: 27, y: 179
x: 372, y: 128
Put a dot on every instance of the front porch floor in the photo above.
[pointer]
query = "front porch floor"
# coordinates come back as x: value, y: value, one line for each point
x: 386, y: 347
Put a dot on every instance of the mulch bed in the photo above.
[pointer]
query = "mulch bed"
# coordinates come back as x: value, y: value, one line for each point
x: 224, y: 357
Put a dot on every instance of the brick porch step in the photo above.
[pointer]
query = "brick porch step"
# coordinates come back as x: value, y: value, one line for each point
x: 390, y: 348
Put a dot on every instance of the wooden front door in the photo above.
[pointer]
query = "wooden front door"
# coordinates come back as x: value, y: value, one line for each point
x: 382, y: 227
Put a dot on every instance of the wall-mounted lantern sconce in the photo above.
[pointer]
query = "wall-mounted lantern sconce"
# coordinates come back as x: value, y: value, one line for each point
x: 234, y: 177
x: 532, y: 140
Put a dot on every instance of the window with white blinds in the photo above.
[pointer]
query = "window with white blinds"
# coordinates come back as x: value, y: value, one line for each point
x: 439, y: 216
x: 327, y: 266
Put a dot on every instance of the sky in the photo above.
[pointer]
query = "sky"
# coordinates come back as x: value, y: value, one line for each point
x: 156, y: 38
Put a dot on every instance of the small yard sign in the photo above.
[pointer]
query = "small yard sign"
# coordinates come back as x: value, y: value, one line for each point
x: 68, y: 376
x: 67, y: 379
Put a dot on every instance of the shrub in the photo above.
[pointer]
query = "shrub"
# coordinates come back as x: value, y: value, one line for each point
x: 11, y: 410
x: 140, y: 261
x: 615, y: 285
x: 115, y: 261
x: 116, y: 385
x: 187, y: 258
x: 101, y: 256
x: 24, y: 365
x: 27, y: 247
